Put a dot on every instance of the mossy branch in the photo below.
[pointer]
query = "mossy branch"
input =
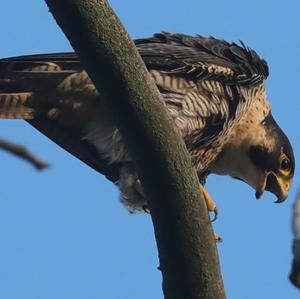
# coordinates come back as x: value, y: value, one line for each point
x: 187, y: 251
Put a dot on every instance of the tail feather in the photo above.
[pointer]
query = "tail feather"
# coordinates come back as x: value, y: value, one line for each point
x: 12, y: 106
x: 55, y: 95
x: 25, y: 113
x: 28, y: 85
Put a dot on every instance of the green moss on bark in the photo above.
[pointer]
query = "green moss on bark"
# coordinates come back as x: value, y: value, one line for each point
x: 187, y: 250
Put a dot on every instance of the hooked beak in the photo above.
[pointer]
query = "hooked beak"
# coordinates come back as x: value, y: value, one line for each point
x: 277, y: 185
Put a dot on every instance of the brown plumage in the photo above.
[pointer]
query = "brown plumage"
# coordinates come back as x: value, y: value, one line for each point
x: 213, y: 90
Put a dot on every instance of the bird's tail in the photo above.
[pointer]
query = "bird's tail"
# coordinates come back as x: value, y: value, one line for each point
x: 12, y: 105
x: 14, y: 96
x: 21, y: 79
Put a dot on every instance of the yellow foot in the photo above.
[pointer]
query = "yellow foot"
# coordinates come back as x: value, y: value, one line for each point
x: 210, y: 204
x: 211, y: 207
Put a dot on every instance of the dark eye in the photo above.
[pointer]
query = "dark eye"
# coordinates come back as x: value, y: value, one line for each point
x: 285, y: 164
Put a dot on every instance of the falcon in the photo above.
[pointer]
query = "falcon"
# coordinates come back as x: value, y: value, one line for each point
x: 214, y: 90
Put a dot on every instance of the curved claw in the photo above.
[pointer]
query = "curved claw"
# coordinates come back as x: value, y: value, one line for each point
x: 211, y: 206
x: 146, y: 209
x: 216, y: 214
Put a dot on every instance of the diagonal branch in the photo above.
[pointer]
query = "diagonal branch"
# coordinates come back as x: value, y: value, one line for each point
x: 23, y: 153
x: 295, y: 271
x: 187, y: 251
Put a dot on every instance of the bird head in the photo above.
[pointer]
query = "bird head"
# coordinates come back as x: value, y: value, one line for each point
x: 274, y: 160
x: 261, y: 156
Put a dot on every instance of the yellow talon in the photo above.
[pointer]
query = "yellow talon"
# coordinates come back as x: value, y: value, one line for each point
x: 211, y: 206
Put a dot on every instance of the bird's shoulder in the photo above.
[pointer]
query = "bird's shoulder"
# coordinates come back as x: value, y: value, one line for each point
x: 200, y: 58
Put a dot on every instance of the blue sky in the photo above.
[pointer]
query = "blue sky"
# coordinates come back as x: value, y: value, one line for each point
x: 63, y: 232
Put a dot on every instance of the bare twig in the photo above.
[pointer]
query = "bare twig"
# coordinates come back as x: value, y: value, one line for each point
x: 295, y: 271
x: 23, y: 153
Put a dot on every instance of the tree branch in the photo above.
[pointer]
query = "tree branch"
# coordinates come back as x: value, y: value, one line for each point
x: 295, y: 271
x: 187, y: 251
x: 23, y: 153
